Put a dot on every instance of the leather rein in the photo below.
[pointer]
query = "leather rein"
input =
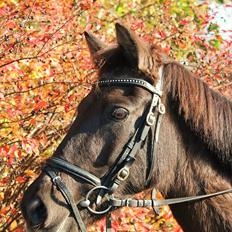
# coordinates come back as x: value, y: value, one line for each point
x: 105, y: 187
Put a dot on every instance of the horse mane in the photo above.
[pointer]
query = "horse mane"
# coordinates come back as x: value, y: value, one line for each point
x: 207, y: 113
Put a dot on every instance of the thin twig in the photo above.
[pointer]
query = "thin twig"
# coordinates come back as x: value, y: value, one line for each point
x: 223, y: 86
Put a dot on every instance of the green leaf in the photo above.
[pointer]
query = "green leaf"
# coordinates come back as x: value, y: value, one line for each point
x: 215, y: 43
x: 213, y: 27
x: 120, y: 9
x: 4, y: 120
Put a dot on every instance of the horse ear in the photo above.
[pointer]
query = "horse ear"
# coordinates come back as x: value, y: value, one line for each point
x: 94, y: 45
x: 136, y: 51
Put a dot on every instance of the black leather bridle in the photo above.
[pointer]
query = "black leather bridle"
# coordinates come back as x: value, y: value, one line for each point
x: 106, y: 186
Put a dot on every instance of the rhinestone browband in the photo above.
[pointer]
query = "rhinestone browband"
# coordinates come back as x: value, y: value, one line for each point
x: 132, y: 81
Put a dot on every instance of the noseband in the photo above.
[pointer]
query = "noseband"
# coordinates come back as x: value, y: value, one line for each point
x: 106, y: 186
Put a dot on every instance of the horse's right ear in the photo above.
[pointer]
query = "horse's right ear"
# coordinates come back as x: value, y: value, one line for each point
x: 94, y: 45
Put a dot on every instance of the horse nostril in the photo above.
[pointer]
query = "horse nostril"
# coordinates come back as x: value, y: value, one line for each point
x: 36, y: 212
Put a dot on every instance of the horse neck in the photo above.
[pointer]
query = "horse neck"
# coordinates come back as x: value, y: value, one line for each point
x: 185, y: 167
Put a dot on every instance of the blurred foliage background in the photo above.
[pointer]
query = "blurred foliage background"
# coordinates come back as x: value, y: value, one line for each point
x: 45, y: 71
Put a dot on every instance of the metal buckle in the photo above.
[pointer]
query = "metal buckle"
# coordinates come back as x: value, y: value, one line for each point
x: 161, y: 108
x: 150, y: 120
x: 123, y: 174
x: 54, y: 179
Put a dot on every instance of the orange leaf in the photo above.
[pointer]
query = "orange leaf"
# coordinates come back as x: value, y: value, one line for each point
x: 13, y: 225
x: 30, y: 173
x: 33, y: 122
x: 1, y: 196
x: 4, y: 210
x: 40, y: 105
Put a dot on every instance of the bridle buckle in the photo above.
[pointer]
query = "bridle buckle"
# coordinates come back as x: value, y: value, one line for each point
x: 161, y: 108
x: 150, y: 120
x: 123, y: 174
x: 55, y: 179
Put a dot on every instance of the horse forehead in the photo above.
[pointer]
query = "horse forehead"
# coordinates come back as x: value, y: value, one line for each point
x: 124, y: 95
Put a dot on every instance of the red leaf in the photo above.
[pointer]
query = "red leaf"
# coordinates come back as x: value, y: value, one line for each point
x: 66, y: 108
x: 184, y: 22
x: 71, y: 97
x: 10, y: 157
x: 20, y: 154
x: 4, y: 180
x: 20, y: 179
x: 19, y: 230
x: 218, y: 77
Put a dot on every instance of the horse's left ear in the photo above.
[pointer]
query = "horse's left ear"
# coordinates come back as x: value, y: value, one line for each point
x: 136, y: 51
x: 94, y: 45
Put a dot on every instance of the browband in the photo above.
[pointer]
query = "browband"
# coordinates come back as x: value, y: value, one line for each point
x: 130, y: 81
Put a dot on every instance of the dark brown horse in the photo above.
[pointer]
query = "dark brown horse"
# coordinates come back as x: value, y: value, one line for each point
x: 193, y: 155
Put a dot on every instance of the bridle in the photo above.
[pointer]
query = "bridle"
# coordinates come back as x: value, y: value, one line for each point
x: 106, y: 186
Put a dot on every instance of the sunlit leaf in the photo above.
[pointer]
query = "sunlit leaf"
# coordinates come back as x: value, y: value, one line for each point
x: 13, y: 225
x: 215, y: 43
x: 213, y: 27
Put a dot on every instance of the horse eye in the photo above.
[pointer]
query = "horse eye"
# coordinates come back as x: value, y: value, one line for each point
x: 119, y: 113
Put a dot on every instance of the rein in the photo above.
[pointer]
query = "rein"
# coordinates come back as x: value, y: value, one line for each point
x: 106, y: 186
